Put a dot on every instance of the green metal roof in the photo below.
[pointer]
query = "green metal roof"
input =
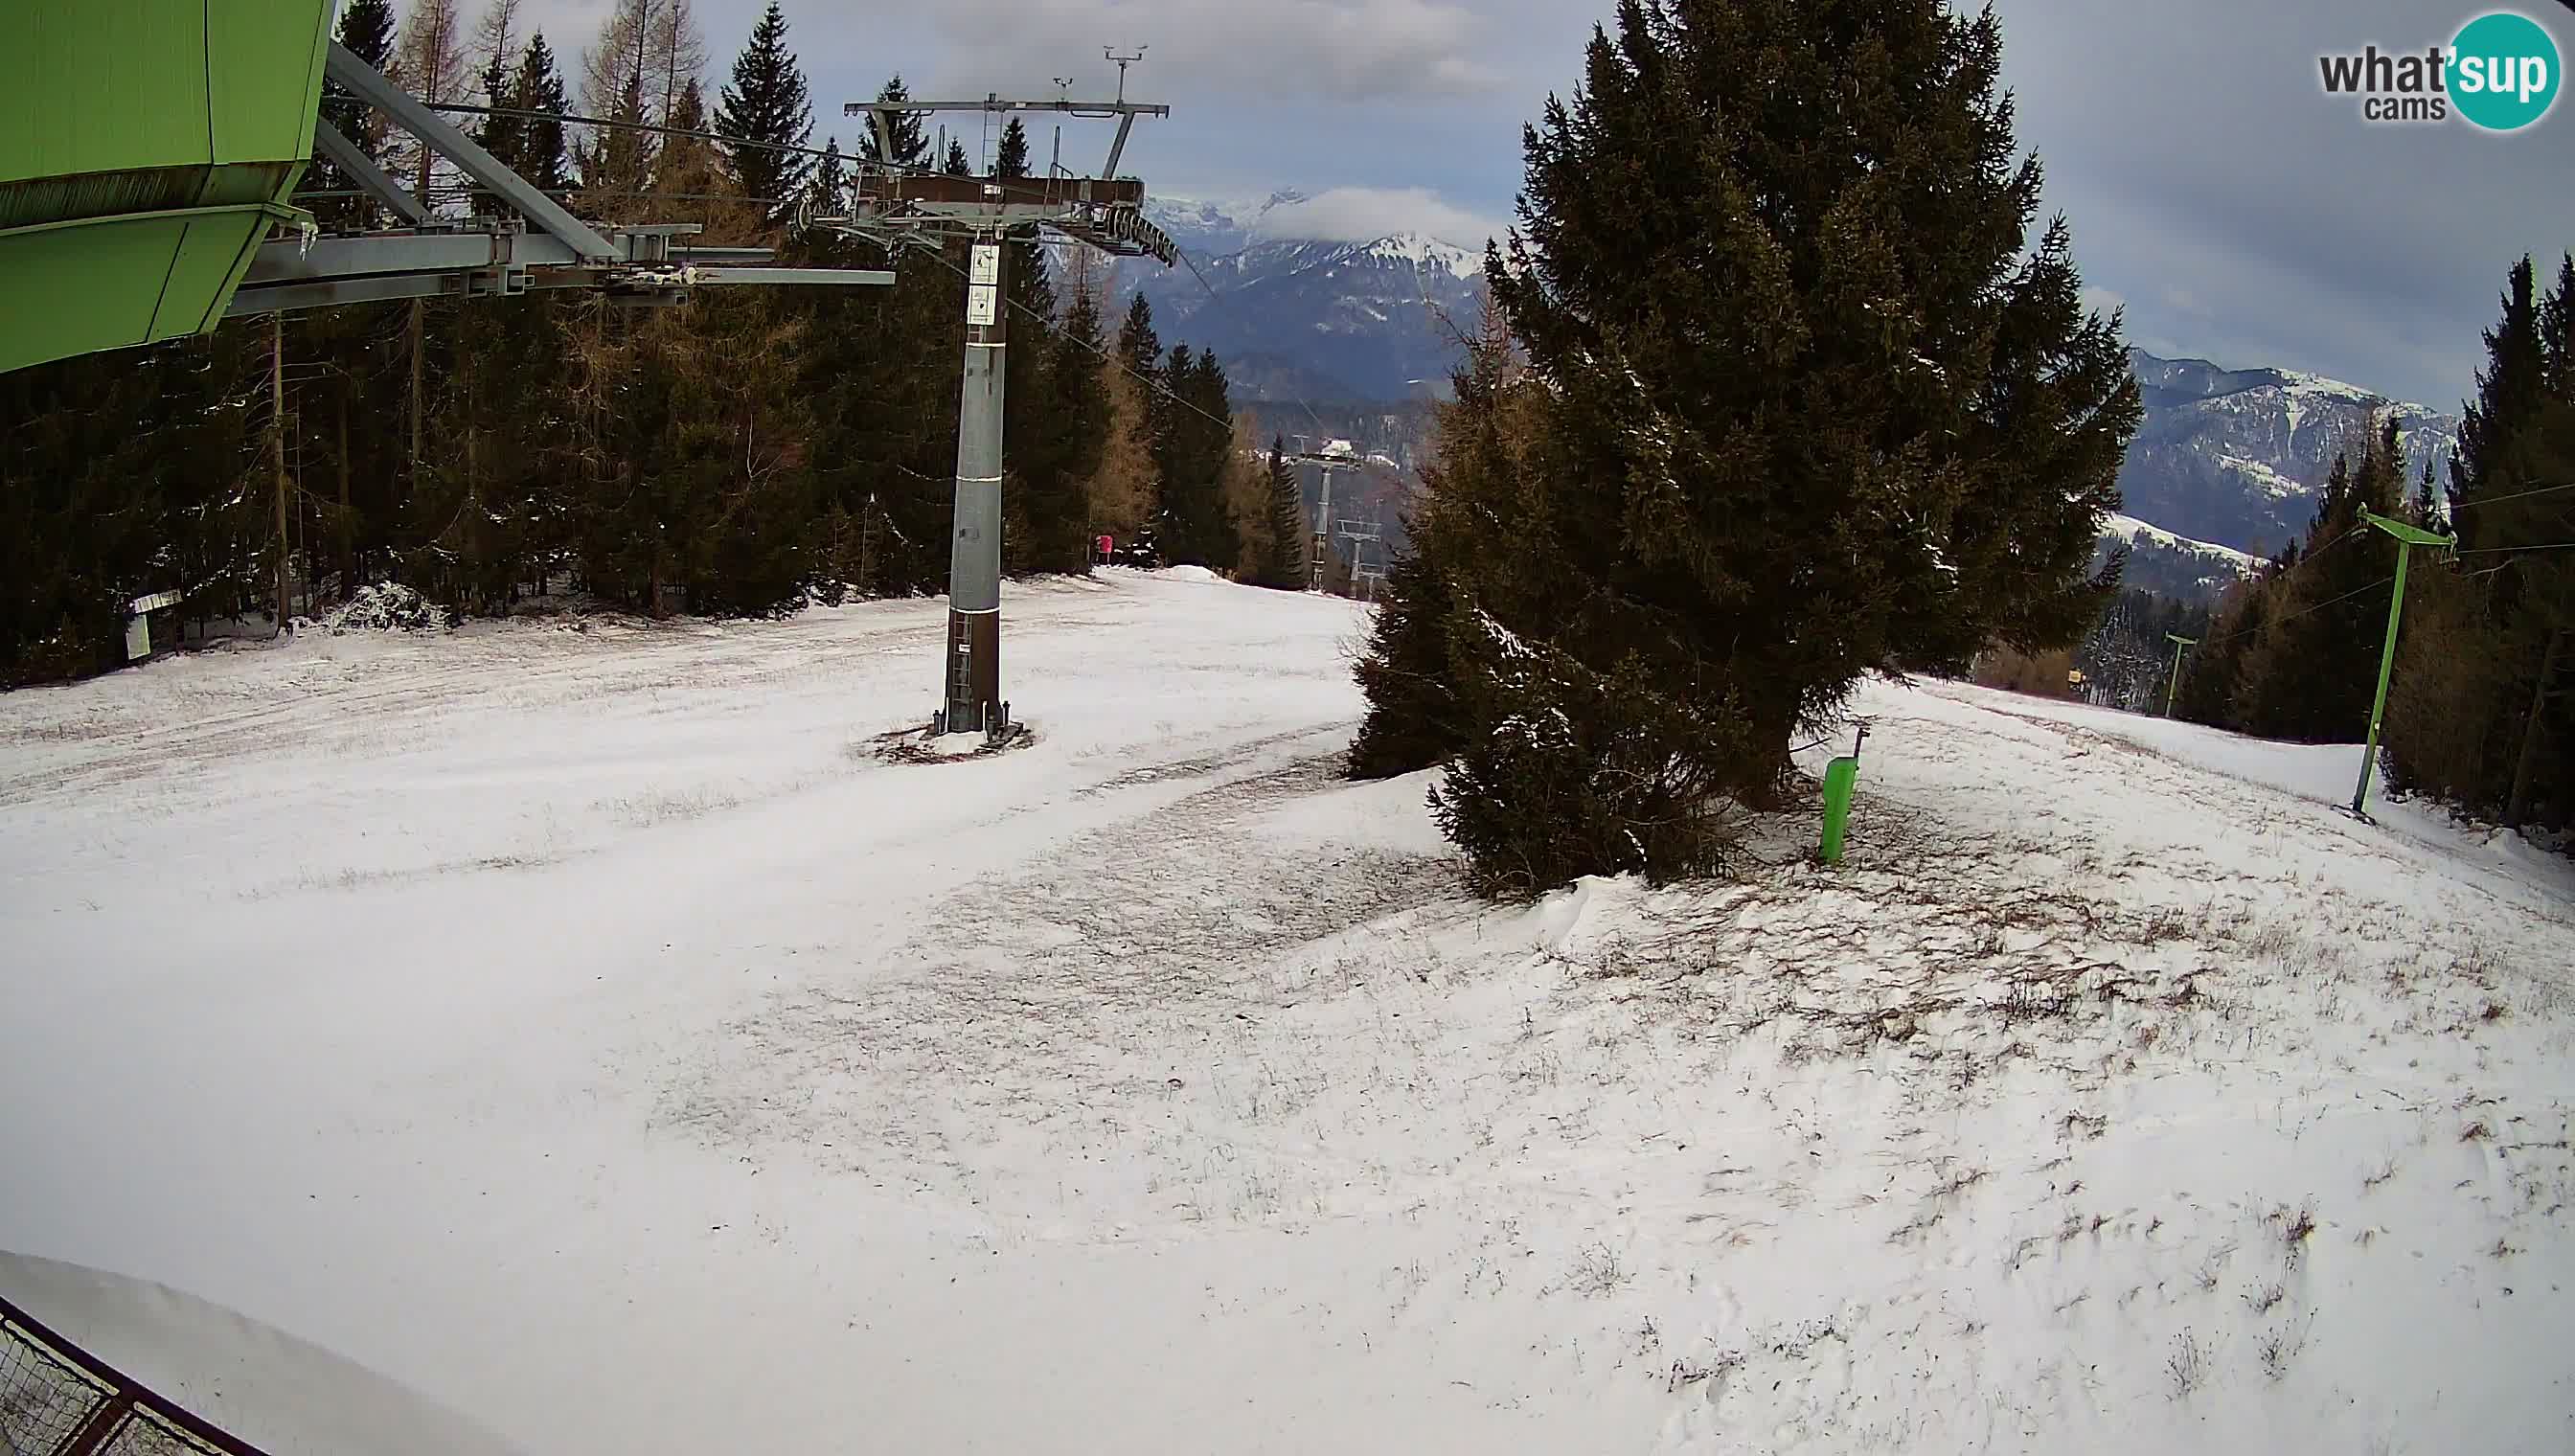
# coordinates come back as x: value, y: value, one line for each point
x: 145, y: 148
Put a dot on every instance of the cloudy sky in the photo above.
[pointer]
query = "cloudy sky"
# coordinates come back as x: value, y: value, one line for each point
x: 2238, y: 213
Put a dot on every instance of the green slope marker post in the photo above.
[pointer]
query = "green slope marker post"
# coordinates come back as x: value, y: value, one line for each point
x: 2175, y: 692
x: 2407, y: 537
x: 1841, y: 776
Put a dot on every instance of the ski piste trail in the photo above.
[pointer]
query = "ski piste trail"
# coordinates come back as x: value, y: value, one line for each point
x: 584, y: 1031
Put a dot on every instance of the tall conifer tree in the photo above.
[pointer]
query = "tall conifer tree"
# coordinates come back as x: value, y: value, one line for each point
x: 1816, y: 405
x: 766, y: 102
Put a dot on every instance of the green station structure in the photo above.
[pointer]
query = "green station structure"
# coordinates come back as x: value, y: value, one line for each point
x: 147, y: 149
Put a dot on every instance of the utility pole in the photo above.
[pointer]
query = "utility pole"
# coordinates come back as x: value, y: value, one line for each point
x: 972, y: 695
x: 2407, y: 537
x: 2175, y: 692
x: 277, y: 451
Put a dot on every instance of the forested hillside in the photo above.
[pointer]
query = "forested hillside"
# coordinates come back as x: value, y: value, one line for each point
x: 730, y: 456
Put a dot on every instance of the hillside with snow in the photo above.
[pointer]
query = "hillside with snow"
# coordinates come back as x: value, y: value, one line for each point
x: 2174, y: 565
x: 1295, y: 316
x: 2238, y: 457
x: 587, y: 1030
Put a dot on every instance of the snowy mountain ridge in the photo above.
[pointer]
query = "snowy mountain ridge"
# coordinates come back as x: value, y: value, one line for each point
x: 1314, y: 318
x: 1216, y: 230
x: 2236, y: 457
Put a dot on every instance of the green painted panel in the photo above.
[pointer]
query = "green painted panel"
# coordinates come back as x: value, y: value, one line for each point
x: 101, y: 85
x: 212, y: 255
x: 265, y: 60
x: 117, y: 114
x: 72, y: 290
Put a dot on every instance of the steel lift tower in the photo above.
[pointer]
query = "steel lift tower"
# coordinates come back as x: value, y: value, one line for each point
x: 904, y: 207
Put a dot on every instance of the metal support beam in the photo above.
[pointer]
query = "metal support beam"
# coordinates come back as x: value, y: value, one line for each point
x: 362, y: 169
x: 330, y: 293
x: 701, y: 273
x: 374, y: 268
x: 370, y: 86
x: 364, y: 254
x: 997, y: 103
x: 1118, y: 147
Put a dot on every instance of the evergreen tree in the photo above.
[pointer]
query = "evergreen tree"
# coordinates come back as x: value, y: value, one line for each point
x: 616, y: 165
x: 1195, y: 433
x: 367, y: 29
x: 766, y: 102
x: 543, y: 157
x: 1011, y: 158
x: 1139, y: 346
x: 1811, y: 412
x: 125, y: 473
x: 2481, y: 712
x: 1284, y: 566
x: 1416, y: 717
x: 2509, y: 388
x: 911, y: 138
x: 690, y: 168
x: 496, y: 132
x: 956, y: 165
x: 2212, y: 679
x: 830, y: 187
x: 1083, y: 416
x: 1041, y: 438
x: 2311, y: 673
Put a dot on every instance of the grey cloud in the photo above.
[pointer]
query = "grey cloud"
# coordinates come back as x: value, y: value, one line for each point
x: 2198, y: 158
x: 1319, y: 48
x: 1365, y: 214
x: 2189, y: 140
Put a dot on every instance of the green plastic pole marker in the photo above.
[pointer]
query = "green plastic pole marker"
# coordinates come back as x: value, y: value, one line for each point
x: 2407, y: 537
x: 1841, y: 776
x: 2175, y: 692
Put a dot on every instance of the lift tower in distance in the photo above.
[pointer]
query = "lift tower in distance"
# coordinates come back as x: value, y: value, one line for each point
x: 902, y: 206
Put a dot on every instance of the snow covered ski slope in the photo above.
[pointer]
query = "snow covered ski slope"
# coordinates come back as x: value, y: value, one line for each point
x: 583, y: 1029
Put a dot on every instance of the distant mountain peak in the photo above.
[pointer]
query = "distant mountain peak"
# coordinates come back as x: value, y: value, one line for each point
x: 1423, y: 251
x: 2236, y: 457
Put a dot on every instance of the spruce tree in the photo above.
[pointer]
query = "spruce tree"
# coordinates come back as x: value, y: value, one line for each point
x: 2509, y: 388
x: 1011, y: 157
x: 496, y: 132
x: 367, y: 29
x: 1813, y: 412
x: 1081, y: 419
x: 690, y: 175
x: 1286, y: 567
x: 1139, y: 346
x: 2310, y: 676
x: 767, y: 103
x: 1195, y: 433
x: 956, y: 165
x: 543, y: 158
x: 830, y: 184
x: 2482, y: 712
